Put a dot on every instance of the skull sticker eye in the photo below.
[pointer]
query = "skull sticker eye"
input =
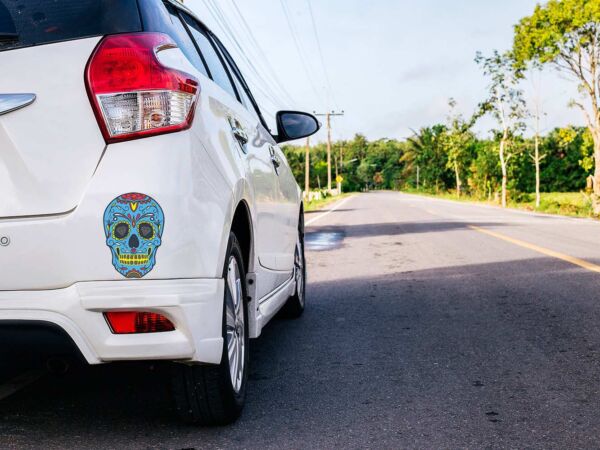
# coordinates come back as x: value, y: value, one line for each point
x: 146, y: 230
x: 121, y: 230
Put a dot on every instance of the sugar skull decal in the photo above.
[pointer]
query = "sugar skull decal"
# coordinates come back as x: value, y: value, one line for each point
x: 133, y: 225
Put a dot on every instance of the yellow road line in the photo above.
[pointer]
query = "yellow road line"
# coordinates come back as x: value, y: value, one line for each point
x: 536, y: 248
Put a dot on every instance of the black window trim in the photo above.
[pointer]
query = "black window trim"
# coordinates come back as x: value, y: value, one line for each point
x: 194, y: 43
x: 208, y: 34
x: 176, y: 14
x: 240, y: 78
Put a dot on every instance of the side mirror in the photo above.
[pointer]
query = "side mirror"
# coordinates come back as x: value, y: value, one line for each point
x: 292, y: 125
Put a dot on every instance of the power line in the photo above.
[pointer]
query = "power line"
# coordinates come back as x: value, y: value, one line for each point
x: 293, y: 32
x: 261, y: 52
x: 250, y: 63
x: 224, y: 25
x: 219, y: 17
x: 319, y: 47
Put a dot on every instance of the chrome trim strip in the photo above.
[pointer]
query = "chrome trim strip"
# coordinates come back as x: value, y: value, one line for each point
x: 13, y: 102
x: 38, y: 216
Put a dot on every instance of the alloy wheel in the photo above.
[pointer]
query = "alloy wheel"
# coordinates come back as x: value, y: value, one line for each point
x: 235, y: 324
x: 299, y: 271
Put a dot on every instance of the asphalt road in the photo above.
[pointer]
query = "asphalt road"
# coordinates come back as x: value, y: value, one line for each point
x: 423, y: 330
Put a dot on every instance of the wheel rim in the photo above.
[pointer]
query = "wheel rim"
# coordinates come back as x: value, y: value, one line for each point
x: 299, y: 271
x: 235, y: 325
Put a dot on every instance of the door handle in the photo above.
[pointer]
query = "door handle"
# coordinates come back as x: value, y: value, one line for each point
x: 240, y: 135
x: 275, y: 160
x: 238, y: 131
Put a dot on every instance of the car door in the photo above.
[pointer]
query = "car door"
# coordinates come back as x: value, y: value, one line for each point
x: 286, y: 212
x: 289, y: 208
x: 255, y: 148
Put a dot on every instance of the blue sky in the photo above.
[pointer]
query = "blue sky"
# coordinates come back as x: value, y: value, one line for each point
x: 392, y: 65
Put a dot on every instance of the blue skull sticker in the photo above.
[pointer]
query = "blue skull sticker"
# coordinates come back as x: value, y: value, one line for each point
x: 133, y: 225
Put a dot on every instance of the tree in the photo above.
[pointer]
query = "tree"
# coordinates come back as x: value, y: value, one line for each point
x: 566, y: 34
x: 569, y: 159
x: 424, y: 153
x: 456, y: 142
x: 537, y: 157
x: 484, y: 170
x: 505, y: 103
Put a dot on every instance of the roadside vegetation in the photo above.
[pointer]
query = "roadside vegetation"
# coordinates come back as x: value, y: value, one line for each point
x: 516, y: 165
x: 323, y: 202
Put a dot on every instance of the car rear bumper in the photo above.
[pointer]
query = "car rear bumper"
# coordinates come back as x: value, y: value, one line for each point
x: 195, y: 306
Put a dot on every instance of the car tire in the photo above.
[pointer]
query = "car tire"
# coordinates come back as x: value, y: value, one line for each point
x: 296, y: 304
x: 211, y: 395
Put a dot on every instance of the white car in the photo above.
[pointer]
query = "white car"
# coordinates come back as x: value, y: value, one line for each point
x: 146, y: 210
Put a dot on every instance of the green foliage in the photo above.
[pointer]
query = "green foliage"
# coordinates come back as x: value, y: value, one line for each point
x: 505, y: 101
x: 557, y: 31
x: 457, y: 142
x: 569, y: 161
x: 485, y: 174
x: 426, y: 155
x: 566, y: 34
x: 362, y: 164
x: 391, y: 164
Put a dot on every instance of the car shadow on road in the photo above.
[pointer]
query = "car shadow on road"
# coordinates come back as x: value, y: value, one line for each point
x: 404, y: 228
x: 443, y: 357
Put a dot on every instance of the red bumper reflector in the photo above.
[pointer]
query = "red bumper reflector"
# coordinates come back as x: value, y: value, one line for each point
x: 131, y: 322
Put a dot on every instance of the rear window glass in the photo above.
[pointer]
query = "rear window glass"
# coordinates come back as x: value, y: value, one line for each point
x: 24, y: 23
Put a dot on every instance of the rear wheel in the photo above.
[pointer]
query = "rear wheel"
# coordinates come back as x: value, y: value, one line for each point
x: 214, y: 395
x: 296, y: 303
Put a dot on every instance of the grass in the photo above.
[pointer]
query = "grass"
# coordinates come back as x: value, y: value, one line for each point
x: 315, y: 205
x: 576, y: 204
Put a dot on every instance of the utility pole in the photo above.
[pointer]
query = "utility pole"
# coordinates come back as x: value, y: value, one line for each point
x: 341, y: 168
x: 328, y: 116
x: 307, y: 168
x: 335, y: 158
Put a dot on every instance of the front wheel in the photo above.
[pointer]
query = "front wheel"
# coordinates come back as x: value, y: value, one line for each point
x: 296, y: 303
x: 215, y: 395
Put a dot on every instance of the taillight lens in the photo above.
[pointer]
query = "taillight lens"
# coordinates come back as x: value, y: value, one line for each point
x: 131, y: 322
x: 132, y: 93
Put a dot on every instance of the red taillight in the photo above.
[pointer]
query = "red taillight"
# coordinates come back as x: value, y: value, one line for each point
x: 132, y: 93
x: 130, y: 322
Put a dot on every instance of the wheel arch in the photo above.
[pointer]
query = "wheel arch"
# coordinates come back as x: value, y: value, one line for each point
x: 301, y: 219
x: 241, y: 226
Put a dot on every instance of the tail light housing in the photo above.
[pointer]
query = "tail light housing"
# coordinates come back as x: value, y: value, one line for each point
x: 133, y: 94
x: 133, y: 322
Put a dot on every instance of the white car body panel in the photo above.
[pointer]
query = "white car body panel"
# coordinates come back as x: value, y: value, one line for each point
x: 59, y: 181
x: 51, y: 147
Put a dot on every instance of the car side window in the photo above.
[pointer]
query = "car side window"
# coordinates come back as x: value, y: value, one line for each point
x: 216, y: 69
x: 245, y: 94
x: 181, y: 37
x: 244, y: 98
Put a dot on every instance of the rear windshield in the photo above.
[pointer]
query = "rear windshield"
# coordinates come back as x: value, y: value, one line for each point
x: 24, y: 23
